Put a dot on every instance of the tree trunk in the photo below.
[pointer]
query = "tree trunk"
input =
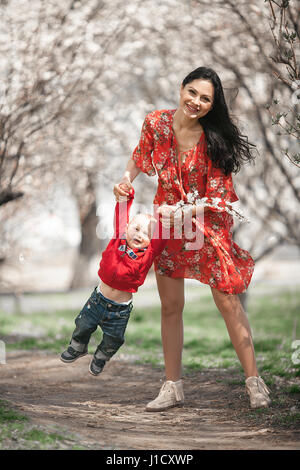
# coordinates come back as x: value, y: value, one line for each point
x: 89, y: 247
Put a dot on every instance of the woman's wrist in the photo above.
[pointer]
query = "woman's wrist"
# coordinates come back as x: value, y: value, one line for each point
x: 126, y: 177
x: 131, y: 171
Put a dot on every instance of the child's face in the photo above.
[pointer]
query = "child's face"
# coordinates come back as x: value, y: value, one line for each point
x: 138, y: 232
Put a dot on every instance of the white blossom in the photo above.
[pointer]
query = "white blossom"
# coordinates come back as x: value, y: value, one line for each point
x: 216, y: 203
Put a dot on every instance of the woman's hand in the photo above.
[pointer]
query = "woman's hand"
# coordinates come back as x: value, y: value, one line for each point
x: 167, y: 214
x: 122, y: 189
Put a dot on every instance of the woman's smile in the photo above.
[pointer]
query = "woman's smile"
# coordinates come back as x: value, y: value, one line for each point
x: 192, y: 109
x: 196, y: 98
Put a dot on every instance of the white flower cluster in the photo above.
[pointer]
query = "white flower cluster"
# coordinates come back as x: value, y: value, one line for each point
x: 214, y: 202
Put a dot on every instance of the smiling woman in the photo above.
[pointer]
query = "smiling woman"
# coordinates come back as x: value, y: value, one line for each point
x: 226, y: 147
x: 193, y: 150
x: 195, y: 102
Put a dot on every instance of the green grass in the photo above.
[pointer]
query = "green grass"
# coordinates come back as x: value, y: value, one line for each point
x: 273, y: 320
x: 294, y: 389
x: 206, y: 341
x: 17, y: 432
x: 8, y: 415
x: 42, y: 436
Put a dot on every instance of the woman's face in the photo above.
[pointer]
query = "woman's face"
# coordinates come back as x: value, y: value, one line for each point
x: 196, y: 98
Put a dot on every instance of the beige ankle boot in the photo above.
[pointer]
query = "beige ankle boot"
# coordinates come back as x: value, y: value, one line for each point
x: 170, y: 395
x: 258, y: 392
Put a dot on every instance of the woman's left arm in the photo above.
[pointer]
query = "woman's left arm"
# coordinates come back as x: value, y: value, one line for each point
x: 219, y: 194
x: 219, y: 188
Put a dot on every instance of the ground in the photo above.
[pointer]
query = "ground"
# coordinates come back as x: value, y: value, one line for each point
x: 108, y: 411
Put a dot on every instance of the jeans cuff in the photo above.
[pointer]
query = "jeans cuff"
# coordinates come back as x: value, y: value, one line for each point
x: 78, y: 346
x: 100, y: 355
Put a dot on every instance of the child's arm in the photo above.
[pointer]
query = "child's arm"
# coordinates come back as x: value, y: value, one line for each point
x: 121, y: 216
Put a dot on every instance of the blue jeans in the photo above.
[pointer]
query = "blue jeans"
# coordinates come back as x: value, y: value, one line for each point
x: 112, y: 318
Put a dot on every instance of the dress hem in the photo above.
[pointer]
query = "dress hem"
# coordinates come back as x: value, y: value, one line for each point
x: 232, y: 291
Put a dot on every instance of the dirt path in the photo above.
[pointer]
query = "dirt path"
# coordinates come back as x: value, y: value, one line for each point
x: 108, y: 411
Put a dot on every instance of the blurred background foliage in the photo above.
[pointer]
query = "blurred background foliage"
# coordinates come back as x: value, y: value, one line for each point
x: 77, y: 78
x: 76, y: 81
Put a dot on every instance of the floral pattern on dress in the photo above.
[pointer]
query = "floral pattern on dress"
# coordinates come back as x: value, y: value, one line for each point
x: 220, y: 262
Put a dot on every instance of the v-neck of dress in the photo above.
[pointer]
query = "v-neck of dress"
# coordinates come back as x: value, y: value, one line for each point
x: 179, y: 161
x: 176, y: 142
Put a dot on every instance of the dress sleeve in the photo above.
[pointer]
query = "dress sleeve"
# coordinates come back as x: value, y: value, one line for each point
x: 219, y: 188
x: 142, y: 154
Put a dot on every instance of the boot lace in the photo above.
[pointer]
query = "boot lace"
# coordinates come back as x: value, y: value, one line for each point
x: 170, y: 387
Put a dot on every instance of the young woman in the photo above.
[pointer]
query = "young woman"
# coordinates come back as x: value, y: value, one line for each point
x: 193, y: 150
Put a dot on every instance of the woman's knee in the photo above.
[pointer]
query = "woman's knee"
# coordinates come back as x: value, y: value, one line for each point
x: 171, y: 308
x: 171, y: 292
x: 228, y: 305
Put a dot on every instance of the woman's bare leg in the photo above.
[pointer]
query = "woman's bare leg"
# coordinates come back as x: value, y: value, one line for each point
x: 171, y: 292
x: 238, y: 328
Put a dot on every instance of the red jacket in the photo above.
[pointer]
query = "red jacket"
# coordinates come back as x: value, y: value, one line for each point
x: 121, y: 267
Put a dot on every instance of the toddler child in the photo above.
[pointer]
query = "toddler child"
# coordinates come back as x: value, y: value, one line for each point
x: 123, y: 268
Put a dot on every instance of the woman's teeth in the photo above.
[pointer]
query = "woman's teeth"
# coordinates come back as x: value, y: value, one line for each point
x: 193, y: 110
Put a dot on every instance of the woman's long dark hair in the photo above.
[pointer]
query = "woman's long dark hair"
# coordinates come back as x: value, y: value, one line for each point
x: 226, y: 147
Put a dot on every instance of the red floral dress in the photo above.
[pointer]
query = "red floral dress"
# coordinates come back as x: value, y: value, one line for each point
x: 220, y: 262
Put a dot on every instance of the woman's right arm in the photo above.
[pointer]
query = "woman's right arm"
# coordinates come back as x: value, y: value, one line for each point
x: 141, y: 159
x: 123, y: 187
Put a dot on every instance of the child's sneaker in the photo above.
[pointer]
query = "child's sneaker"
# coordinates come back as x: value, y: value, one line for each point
x: 71, y: 355
x: 258, y: 392
x: 170, y: 395
x: 96, y: 366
